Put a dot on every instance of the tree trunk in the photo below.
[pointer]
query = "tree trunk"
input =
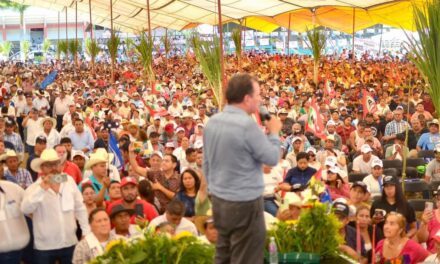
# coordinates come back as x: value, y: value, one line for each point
x: 315, y: 71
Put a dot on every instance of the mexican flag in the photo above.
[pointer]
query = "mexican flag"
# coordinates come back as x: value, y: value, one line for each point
x: 156, y: 88
x: 315, y: 124
x: 368, y: 102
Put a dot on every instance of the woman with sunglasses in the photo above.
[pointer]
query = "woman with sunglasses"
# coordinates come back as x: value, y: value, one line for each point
x: 430, y: 223
x: 397, y: 247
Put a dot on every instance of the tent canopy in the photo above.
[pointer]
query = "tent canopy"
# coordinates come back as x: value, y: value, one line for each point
x: 263, y: 15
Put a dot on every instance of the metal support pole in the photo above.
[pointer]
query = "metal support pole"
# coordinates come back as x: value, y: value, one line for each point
x: 149, y: 20
x: 220, y: 32
x: 90, y: 18
x: 288, y: 35
x: 354, y: 21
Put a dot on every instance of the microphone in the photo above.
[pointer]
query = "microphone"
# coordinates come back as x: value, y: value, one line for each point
x: 264, y: 114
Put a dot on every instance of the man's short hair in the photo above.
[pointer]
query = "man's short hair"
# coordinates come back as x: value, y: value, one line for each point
x: 65, y: 140
x: 176, y: 207
x: 302, y: 155
x: 239, y: 86
x: 189, y: 151
x: 154, y: 135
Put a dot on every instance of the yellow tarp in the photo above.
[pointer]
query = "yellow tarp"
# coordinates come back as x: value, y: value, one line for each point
x: 263, y: 15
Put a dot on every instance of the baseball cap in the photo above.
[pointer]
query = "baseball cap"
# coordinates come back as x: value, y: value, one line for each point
x: 78, y: 153
x: 389, y: 180
x: 361, y: 185
x: 311, y: 149
x: 296, y: 138
x: 433, y: 122
x: 180, y: 129
x: 365, y: 148
x: 331, y: 123
x: 376, y: 162
x: 335, y: 169
x: 341, y: 208
x: 156, y: 117
x: 157, y: 153
x: 169, y: 145
x: 128, y: 180
x: 331, y: 137
x: 198, y: 144
x: 169, y: 127
x: 330, y: 161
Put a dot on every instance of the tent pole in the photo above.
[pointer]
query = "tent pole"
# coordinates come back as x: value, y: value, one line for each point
x: 220, y: 32
x: 90, y: 18
x: 75, y: 56
x: 111, y: 28
x: 288, y: 36
x: 352, y: 51
x: 380, y: 42
x: 149, y: 19
x: 67, y: 37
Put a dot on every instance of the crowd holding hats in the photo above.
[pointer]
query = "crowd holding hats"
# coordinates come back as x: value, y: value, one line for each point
x: 86, y: 160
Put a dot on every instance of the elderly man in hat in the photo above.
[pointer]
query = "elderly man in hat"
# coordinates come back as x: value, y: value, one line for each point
x: 48, y: 125
x: 120, y: 218
x: 55, y: 204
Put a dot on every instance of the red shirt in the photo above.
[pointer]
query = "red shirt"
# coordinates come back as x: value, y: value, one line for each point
x: 412, y: 250
x: 149, y: 211
x: 72, y: 169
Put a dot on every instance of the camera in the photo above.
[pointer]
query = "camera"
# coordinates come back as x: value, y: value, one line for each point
x: 59, y: 178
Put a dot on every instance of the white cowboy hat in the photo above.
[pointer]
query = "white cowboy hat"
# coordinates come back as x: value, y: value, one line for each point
x: 48, y: 155
x: 8, y: 154
x: 48, y: 118
x: 94, y: 159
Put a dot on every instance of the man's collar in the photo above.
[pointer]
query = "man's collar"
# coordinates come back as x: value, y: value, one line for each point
x: 234, y: 109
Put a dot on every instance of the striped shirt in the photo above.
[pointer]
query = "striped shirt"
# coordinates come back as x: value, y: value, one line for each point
x: 22, y: 177
x: 15, y: 139
x: 394, y: 127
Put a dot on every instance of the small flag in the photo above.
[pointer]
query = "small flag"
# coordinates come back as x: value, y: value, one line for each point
x: 50, y: 78
x: 368, y: 103
x: 315, y: 124
x: 118, y: 161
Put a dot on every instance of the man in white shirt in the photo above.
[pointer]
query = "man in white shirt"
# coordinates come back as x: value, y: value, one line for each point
x: 61, y: 107
x: 374, y: 180
x: 48, y: 125
x: 362, y: 163
x: 14, y: 232
x: 41, y: 103
x: 433, y: 168
x: 174, y: 215
x: 272, y: 178
x: 55, y: 204
x: 32, y: 123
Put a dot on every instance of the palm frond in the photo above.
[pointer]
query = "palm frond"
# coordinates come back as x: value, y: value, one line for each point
x: 92, y: 48
x: 236, y: 37
x: 62, y: 48
x: 113, y: 44
x: 425, y: 53
x: 25, y: 47
x: 74, y: 47
x: 6, y: 48
x: 208, y: 54
x: 167, y: 45
x: 46, y: 45
x: 316, y: 42
x: 145, y: 51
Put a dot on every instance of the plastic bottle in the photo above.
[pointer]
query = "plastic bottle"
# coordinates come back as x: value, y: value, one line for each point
x: 273, y: 252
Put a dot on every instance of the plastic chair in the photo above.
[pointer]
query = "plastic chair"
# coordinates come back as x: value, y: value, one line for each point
x: 418, y: 204
x: 426, y: 154
x: 417, y: 188
x: 415, y: 162
x: 354, y: 177
x: 397, y: 164
x: 412, y: 173
x: 391, y: 172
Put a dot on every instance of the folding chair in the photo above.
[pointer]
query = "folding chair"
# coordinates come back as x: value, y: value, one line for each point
x: 415, y: 162
x: 418, y: 204
x: 397, y: 164
x: 391, y: 172
x: 417, y: 188
x: 426, y: 154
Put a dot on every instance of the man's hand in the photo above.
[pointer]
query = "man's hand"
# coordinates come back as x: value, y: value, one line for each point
x: 140, y: 221
x: 274, y: 125
x: 106, y: 182
x: 156, y: 186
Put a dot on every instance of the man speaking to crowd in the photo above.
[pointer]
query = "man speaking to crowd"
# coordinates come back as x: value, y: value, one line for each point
x: 235, y: 150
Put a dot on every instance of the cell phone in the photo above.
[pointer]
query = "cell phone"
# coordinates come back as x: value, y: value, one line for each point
x: 378, y: 213
x: 429, y: 206
x: 139, y: 210
x: 59, y: 178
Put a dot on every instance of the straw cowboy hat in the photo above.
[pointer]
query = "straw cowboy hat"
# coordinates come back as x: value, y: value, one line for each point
x: 48, y: 155
x: 201, y: 220
x: 8, y: 154
x: 48, y: 118
x: 103, y: 151
x: 95, y: 158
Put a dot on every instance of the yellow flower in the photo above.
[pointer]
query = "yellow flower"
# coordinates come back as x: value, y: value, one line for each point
x: 114, y: 243
x: 292, y: 222
x: 182, y: 235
